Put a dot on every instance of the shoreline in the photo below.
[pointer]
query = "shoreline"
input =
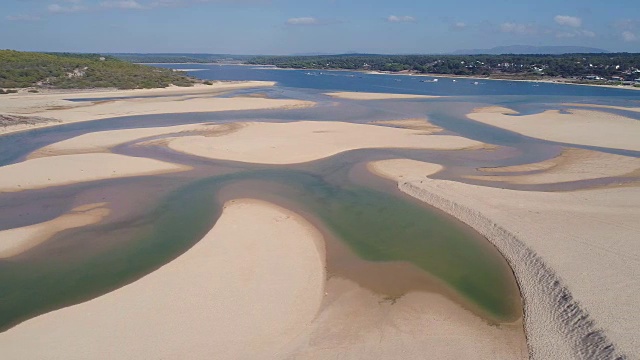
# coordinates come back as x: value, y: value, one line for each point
x: 563, y: 317
x: 56, y: 107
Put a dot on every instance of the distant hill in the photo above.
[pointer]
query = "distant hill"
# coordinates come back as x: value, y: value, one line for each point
x: 178, y: 58
x: 81, y: 71
x: 526, y: 49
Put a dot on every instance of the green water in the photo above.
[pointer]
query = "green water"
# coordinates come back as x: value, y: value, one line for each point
x: 377, y: 226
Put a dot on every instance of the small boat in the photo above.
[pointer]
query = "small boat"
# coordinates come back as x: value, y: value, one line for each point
x: 475, y: 83
x: 454, y: 80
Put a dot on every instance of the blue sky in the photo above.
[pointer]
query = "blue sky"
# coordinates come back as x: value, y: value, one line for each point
x: 321, y: 26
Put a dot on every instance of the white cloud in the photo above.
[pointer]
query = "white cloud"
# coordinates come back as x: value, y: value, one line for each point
x: 22, y: 18
x: 566, y: 20
x: 520, y: 29
x: 629, y: 36
x: 398, y: 19
x: 303, y: 21
x: 56, y: 8
x: 121, y: 4
x: 459, y: 25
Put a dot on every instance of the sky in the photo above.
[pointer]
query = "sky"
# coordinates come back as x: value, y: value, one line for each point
x: 320, y: 26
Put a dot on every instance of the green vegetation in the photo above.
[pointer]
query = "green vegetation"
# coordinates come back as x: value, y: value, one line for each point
x: 622, y: 66
x: 81, y: 71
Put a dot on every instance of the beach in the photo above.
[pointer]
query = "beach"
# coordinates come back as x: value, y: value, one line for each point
x: 573, y: 254
x: 258, y: 283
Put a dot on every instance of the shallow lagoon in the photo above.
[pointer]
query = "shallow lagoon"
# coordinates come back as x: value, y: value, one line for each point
x: 367, y: 222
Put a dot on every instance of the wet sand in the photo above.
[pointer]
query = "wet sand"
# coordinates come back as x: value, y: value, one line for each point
x: 574, y: 255
x: 18, y: 240
x: 582, y: 127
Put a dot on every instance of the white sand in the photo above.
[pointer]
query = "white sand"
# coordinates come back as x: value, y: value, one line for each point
x: 571, y: 165
x: 376, y: 96
x: 18, y: 240
x: 583, y: 127
x: 298, y: 142
x: 103, y: 141
x: 71, y: 169
x: 242, y: 292
x: 163, y: 101
x: 575, y: 255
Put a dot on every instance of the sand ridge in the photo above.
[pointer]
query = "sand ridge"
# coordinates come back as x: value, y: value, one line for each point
x: 582, y: 127
x: 574, y: 255
x: 571, y: 165
x: 19, y: 240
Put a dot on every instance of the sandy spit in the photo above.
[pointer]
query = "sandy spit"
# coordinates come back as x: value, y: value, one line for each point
x: 574, y: 255
x: 571, y: 165
x: 16, y: 241
x: 70, y: 169
x: 583, y: 127
x: 611, y: 107
x: 242, y: 292
x: 56, y: 106
x: 303, y: 141
x: 376, y: 96
x: 413, y: 124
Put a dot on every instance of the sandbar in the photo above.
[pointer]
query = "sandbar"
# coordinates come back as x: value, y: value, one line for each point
x: 71, y: 169
x: 571, y: 165
x: 574, y: 254
x: 242, y: 292
x: 583, y: 127
x: 376, y: 96
x: 103, y: 141
x: 413, y: 124
x: 303, y: 141
x: 19, y: 240
x: 59, y: 108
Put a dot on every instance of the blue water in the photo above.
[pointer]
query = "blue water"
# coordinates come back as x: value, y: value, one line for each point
x: 357, y: 81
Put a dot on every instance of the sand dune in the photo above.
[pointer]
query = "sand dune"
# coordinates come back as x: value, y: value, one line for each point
x: 56, y: 106
x: 16, y: 241
x: 575, y: 255
x: 298, y: 142
x: 571, y: 165
x: 376, y: 96
x: 583, y: 127
x: 71, y: 169
x: 242, y: 292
